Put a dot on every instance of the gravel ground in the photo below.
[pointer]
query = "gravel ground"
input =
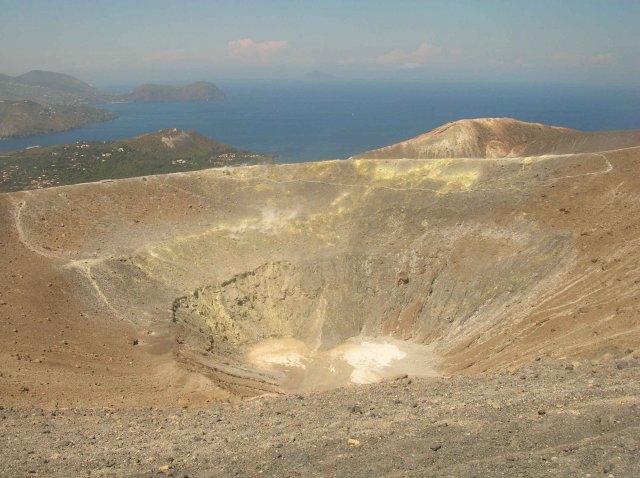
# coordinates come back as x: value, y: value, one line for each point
x: 555, y: 419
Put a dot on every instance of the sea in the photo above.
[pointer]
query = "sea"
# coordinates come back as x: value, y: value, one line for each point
x: 318, y: 120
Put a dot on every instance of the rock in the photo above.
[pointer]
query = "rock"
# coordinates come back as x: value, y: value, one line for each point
x: 352, y: 442
x: 541, y: 412
x: 402, y: 277
x: 607, y: 358
x: 299, y: 458
x: 164, y: 468
x: 622, y: 364
x: 436, y: 446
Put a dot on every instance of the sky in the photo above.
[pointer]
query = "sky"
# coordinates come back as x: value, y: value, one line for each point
x: 591, y: 42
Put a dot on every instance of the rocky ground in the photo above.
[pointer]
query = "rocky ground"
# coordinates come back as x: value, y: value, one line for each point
x: 551, y: 418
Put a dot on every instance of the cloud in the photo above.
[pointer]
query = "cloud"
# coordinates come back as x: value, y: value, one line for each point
x: 408, y: 60
x: 246, y: 48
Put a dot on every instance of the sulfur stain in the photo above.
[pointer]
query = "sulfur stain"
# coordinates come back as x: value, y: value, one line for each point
x: 448, y: 175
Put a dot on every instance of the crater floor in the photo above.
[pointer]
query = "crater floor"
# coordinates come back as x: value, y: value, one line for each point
x: 359, y: 360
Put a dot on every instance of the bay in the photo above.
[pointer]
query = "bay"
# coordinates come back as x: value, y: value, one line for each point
x: 311, y: 121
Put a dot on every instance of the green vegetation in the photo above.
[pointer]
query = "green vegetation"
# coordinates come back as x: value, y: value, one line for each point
x: 167, y: 151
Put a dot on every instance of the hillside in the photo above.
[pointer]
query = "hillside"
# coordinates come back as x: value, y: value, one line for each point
x: 199, y: 91
x: 57, y: 81
x: 27, y: 118
x: 50, y: 88
x: 166, y: 151
x: 502, y: 138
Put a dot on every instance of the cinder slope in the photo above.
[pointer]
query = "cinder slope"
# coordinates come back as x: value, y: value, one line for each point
x: 57, y: 351
x: 502, y: 138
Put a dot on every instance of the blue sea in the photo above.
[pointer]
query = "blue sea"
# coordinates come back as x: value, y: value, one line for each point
x: 310, y: 121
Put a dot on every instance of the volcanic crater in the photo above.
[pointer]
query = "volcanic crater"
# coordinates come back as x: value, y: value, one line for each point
x: 303, y: 277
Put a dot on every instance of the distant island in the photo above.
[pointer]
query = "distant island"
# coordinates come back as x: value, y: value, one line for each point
x: 40, y: 102
x: 28, y: 118
x: 165, y: 151
x: 199, y: 91
x: 49, y: 88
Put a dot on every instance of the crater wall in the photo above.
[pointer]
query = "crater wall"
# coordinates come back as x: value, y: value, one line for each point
x: 483, y: 263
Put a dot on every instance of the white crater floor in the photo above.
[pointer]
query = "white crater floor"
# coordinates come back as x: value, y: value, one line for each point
x: 360, y: 360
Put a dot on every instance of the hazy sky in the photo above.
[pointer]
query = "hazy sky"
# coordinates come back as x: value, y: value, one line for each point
x: 110, y: 42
